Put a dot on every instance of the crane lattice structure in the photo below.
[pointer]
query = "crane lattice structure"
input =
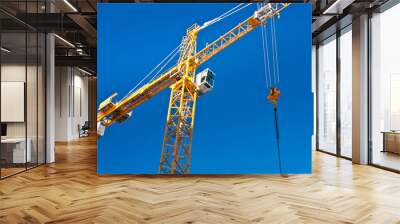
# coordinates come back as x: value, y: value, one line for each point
x: 185, y: 89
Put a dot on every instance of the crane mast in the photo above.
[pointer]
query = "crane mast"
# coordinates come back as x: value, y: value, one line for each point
x: 178, y: 132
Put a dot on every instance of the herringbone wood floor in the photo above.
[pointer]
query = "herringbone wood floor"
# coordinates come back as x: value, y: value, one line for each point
x: 69, y: 191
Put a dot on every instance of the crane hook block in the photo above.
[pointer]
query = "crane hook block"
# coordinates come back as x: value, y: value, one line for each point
x: 273, y: 96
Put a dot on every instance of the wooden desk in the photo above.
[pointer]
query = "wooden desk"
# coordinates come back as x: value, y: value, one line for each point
x: 391, y: 141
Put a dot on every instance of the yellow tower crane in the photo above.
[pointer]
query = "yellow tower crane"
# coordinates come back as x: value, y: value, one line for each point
x: 185, y: 86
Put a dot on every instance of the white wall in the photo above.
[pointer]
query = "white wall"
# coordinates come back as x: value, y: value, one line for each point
x: 71, y: 102
x: 13, y: 73
x: 33, y: 127
x: 61, y: 103
x: 80, y: 110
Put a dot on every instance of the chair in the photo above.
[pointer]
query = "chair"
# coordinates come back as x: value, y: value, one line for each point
x: 84, y: 130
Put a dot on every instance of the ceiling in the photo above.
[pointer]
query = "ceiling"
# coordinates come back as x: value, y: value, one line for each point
x: 329, y: 16
x: 74, y: 22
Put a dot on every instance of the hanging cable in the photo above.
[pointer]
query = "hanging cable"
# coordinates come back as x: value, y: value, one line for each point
x: 273, y: 49
x: 274, y: 92
x: 225, y: 15
x: 276, y: 51
x: 234, y: 12
x: 166, y: 63
x: 168, y: 57
x: 273, y: 96
x: 267, y: 70
x: 264, y: 57
x: 277, y: 139
x: 222, y: 16
x: 266, y: 61
x: 268, y: 57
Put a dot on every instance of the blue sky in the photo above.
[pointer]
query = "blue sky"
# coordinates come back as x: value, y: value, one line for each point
x: 234, y: 129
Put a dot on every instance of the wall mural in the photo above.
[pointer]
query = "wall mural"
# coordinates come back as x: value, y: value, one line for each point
x: 204, y: 88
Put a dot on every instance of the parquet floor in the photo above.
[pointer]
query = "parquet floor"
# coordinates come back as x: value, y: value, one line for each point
x: 69, y: 191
